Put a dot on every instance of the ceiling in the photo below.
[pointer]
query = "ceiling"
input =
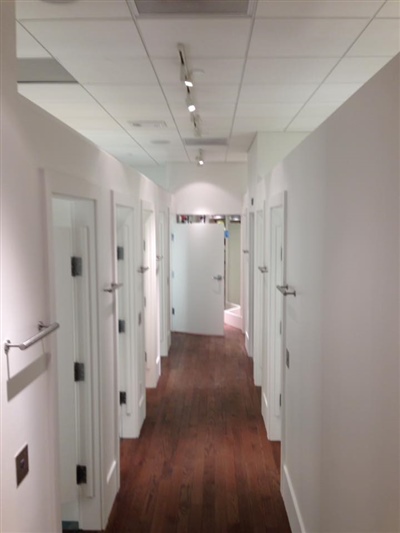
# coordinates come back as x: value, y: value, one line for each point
x: 270, y: 66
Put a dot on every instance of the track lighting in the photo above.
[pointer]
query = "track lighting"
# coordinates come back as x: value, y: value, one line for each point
x: 190, y: 105
x: 188, y: 82
x: 200, y: 158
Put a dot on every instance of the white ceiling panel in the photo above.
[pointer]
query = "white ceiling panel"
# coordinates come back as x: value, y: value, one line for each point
x: 267, y: 110
x: 288, y: 70
x: 334, y: 93
x: 201, y: 37
x: 27, y: 46
x: 381, y: 38
x: 205, y: 70
x: 202, y: 93
x: 319, y: 8
x: 127, y: 94
x: 391, y: 9
x: 90, y: 123
x: 236, y: 157
x: 304, y: 37
x: 356, y: 69
x: 251, y: 125
x: 88, y: 38
x: 106, y: 70
x: 37, y: 9
x: 211, y: 154
x: 109, y: 138
x: 136, y: 159
x: 295, y: 93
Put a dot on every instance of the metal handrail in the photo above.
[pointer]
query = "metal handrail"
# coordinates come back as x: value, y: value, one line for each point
x: 43, y: 332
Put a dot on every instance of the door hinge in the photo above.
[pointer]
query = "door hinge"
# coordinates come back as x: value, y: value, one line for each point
x: 144, y: 246
x: 144, y: 301
x: 81, y: 474
x: 122, y: 398
x: 145, y: 357
x: 76, y: 266
x: 281, y: 253
x: 79, y: 371
x: 172, y: 237
x: 140, y: 319
x: 121, y: 326
x: 280, y: 327
x: 173, y: 310
x: 120, y: 253
x: 280, y: 400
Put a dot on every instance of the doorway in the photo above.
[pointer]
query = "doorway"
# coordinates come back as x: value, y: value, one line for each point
x: 74, y: 246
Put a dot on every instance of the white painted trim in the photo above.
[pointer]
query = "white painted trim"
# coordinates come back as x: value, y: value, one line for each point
x: 291, y: 503
x: 111, y: 471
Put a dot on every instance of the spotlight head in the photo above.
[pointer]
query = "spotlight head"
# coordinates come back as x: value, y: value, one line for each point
x: 201, y: 162
x: 188, y: 82
x: 191, y: 107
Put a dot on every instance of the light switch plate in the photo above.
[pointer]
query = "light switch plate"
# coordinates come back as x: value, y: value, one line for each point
x: 22, y: 464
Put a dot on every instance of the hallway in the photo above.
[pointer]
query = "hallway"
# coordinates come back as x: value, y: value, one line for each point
x: 203, y: 462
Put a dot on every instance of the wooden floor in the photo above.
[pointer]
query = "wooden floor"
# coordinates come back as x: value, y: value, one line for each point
x: 203, y: 462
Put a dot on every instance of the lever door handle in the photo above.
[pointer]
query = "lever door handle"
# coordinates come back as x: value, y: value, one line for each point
x: 286, y: 290
x: 263, y: 269
x: 218, y: 278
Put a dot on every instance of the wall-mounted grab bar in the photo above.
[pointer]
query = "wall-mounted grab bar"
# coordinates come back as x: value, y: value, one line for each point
x: 263, y: 269
x: 113, y: 287
x: 285, y: 290
x: 142, y: 269
x: 43, y: 332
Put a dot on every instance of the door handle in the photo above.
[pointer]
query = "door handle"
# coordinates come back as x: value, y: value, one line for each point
x: 142, y: 269
x: 286, y: 290
x: 263, y: 269
x: 218, y: 278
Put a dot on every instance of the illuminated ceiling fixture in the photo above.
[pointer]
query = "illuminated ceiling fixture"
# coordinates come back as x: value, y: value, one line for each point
x: 185, y: 73
x: 200, y: 158
x: 190, y: 104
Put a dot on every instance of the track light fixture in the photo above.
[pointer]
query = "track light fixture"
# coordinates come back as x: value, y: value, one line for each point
x: 186, y: 77
x: 185, y: 73
x: 190, y: 104
x: 200, y: 158
x: 188, y: 82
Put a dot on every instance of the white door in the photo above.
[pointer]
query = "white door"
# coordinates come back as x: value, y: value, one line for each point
x: 276, y: 325
x: 76, y: 308
x: 198, y: 278
x: 128, y: 375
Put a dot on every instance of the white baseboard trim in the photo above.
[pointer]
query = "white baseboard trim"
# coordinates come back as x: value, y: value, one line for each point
x: 291, y: 503
x: 264, y: 409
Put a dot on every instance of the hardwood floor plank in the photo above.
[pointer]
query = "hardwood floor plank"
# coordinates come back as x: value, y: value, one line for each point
x: 203, y: 462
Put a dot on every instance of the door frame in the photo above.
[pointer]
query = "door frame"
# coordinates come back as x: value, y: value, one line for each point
x: 273, y: 422
x: 92, y: 510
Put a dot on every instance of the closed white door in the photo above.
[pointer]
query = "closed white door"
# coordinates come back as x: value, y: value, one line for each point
x: 198, y: 278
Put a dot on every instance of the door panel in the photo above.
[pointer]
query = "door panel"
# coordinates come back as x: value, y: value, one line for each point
x: 198, y: 278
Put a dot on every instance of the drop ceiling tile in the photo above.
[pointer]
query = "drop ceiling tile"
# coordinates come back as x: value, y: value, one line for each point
x: 88, y: 38
x: 207, y: 109
x: 245, y: 110
x: 381, y: 38
x: 211, y: 154
x: 36, y: 9
x: 27, y: 46
x: 288, y: 70
x: 306, y: 123
x: 311, y: 116
x: 245, y: 125
x: 236, y: 157
x: 205, y: 70
x: 108, y: 138
x: 390, y: 10
x: 356, y: 69
x: 135, y: 112
x: 334, y: 93
x: 127, y: 94
x: 304, y: 37
x: 134, y: 160
x: 293, y: 93
x: 201, y: 37
x: 106, y: 70
x: 89, y: 123
x: 318, y: 8
x: 202, y: 93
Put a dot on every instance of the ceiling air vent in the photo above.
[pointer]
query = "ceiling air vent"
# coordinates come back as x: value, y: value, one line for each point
x: 210, y: 141
x: 148, y: 124
x: 241, y: 8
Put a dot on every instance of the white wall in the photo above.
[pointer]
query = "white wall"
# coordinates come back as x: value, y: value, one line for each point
x: 31, y: 140
x: 212, y: 189
x: 341, y: 435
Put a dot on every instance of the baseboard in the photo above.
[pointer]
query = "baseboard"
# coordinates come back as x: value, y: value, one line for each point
x: 291, y: 503
x: 264, y: 408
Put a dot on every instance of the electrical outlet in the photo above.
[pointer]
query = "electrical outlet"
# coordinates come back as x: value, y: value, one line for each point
x: 22, y: 464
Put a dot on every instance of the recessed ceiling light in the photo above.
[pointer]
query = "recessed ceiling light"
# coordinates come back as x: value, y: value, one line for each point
x: 148, y: 124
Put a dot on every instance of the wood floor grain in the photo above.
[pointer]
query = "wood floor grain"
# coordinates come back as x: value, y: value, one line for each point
x: 203, y: 462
